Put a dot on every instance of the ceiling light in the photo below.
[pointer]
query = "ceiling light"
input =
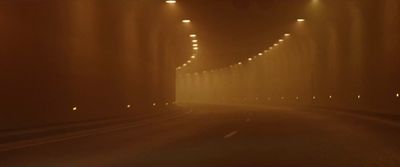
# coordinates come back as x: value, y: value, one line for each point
x: 170, y: 1
x: 301, y: 20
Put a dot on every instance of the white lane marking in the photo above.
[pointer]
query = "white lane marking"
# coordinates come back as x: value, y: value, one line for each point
x: 248, y: 120
x: 230, y: 134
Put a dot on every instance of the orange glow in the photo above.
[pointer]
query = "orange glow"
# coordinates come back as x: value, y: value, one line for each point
x: 250, y: 59
x: 74, y: 108
x: 186, y: 21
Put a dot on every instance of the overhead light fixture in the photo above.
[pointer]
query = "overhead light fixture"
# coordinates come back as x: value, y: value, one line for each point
x: 301, y: 20
x: 195, y: 41
x: 287, y: 35
x: 193, y: 35
x: 195, y: 48
x: 170, y: 1
x: 250, y: 59
x: 280, y: 40
x: 240, y: 63
x: 260, y: 54
x: 193, y: 57
x: 186, y: 21
x: 195, y: 45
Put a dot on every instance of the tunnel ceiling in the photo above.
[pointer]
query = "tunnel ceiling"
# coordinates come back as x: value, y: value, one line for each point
x: 233, y: 30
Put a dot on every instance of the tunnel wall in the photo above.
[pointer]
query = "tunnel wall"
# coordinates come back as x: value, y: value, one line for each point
x: 96, y: 55
x: 349, y: 50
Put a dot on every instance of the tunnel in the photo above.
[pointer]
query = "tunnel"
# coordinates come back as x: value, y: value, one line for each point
x: 199, y: 83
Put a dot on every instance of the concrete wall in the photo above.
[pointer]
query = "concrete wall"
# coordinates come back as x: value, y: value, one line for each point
x: 97, y: 55
x: 344, y: 49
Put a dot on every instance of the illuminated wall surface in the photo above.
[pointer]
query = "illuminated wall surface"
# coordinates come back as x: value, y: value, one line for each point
x: 97, y: 56
x: 349, y: 50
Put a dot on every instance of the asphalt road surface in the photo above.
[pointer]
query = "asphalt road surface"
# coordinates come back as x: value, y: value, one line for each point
x: 226, y: 136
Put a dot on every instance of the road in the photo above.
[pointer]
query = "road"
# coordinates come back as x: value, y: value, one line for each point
x: 219, y: 136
